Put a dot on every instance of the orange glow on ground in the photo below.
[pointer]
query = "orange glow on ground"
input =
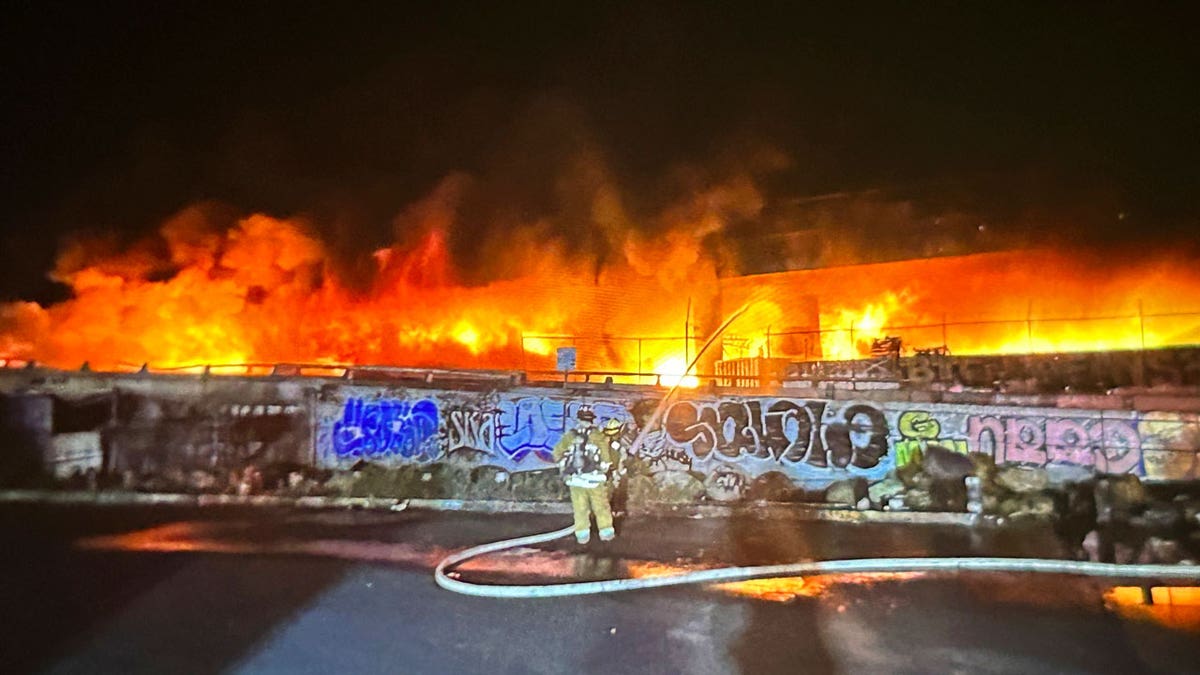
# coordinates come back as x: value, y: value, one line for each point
x: 774, y: 589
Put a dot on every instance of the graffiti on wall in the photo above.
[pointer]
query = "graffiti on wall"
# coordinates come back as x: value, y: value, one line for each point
x: 1090, y: 371
x: 659, y: 456
x: 725, y: 484
x: 812, y: 442
x: 780, y: 430
x: 468, y: 430
x: 918, y: 431
x: 516, y: 433
x: 1170, y: 445
x: 380, y: 427
x: 815, y: 441
x: 534, y: 424
x: 1105, y: 445
x: 520, y: 430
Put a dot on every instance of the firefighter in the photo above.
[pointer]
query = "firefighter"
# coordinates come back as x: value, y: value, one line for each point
x: 587, y: 456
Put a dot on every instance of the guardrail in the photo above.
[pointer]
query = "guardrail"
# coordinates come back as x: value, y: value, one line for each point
x: 1033, y: 334
x: 372, y: 373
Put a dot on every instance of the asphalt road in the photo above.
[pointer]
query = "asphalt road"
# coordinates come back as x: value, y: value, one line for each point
x: 107, y: 589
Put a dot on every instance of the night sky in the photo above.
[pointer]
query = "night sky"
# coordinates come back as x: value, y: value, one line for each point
x: 1076, y: 121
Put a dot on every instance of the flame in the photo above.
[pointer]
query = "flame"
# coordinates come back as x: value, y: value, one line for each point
x: 265, y: 290
x: 240, y: 296
x: 862, y: 326
x: 672, y: 371
x: 1013, y: 302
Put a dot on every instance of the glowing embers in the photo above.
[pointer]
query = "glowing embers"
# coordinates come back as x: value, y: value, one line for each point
x: 1172, y: 606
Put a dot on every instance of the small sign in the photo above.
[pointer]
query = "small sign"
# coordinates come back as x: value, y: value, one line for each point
x: 566, y: 359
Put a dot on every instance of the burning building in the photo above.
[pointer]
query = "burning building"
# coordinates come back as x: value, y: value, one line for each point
x: 636, y: 304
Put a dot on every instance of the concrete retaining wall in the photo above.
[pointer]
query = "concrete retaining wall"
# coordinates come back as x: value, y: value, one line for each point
x: 1087, y: 372
x: 205, y: 433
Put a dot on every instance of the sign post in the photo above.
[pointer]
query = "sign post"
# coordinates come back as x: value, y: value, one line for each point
x: 566, y: 361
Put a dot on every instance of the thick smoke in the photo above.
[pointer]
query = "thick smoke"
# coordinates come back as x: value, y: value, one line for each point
x: 466, y: 275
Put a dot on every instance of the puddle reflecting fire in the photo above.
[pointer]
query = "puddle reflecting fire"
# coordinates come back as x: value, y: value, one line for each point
x: 1175, y: 607
x: 775, y: 589
x: 1171, y: 606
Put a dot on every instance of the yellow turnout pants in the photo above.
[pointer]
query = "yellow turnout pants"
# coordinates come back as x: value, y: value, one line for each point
x: 586, y: 501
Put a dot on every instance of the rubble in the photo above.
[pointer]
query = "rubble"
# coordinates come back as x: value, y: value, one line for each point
x: 1022, y: 479
x: 1028, y: 505
x: 773, y: 486
x: 847, y: 492
x: 881, y: 492
x: 1158, y: 519
x: 1118, y: 496
x: 1163, y: 551
x: 917, y: 499
x: 676, y: 487
x: 946, y: 465
x: 724, y: 486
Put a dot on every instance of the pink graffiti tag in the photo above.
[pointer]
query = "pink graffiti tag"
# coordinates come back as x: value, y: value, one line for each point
x: 1122, y: 448
x: 1110, y: 446
x: 1070, y: 442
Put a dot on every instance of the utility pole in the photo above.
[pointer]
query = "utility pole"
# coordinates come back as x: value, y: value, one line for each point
x: 1029, y: 327
x: 687, y: 322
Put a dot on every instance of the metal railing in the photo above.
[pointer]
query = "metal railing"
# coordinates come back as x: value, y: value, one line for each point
x: 316, y: 370
x: 596, y: 353
x: 1029, y: 335
x: 603, y: 357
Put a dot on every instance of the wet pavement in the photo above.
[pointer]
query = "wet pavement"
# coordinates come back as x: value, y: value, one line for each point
x: 90, y: 589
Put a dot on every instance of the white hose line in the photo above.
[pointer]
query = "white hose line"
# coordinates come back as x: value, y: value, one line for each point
x: 725, y: 574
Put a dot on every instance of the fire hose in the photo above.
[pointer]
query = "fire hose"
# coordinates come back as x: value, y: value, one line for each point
x: 728, y: 574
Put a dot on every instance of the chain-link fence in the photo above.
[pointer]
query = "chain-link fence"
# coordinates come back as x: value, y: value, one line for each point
x: 1028, y: 335
x: 642, y: 359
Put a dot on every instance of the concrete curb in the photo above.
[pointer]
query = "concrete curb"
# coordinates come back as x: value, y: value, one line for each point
x: 89, y: 498
x: 114, y: 498
x: 764, y: 510
x: 828, y: 513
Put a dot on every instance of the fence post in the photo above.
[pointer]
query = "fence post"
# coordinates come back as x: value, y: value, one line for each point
x: 1141, y: 325
x: 1140, y: 373
x: 687, y: 321
x: 854, y: 361
x: 1029, y: 328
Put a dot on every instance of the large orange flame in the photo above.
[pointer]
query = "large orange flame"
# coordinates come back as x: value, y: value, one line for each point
x: 264, y: 290
x: 1013, y: 302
